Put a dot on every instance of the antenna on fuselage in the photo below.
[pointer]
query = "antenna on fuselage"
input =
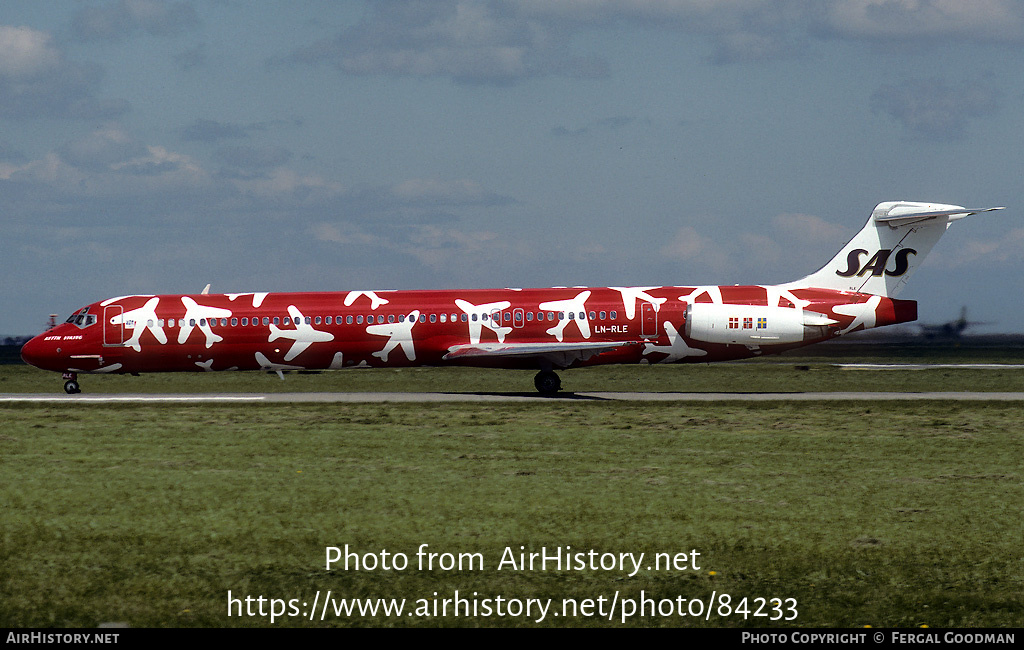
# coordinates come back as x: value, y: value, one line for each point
x: 206, y: 290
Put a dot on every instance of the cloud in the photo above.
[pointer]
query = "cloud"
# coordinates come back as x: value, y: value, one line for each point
x: 1008, y: 249
x: 932, y: 109
x: 119, y: 20
x: 433, y: 247
x: 211, y: 131
x: 101, y: 149
x: 192, y: 58
x: 467, y: 41
x: 608, y: 124
x: 939, y: 21
x: 252, y: 158
x: 507, y: 42
x: 792, y: 246
x: 36, y: 80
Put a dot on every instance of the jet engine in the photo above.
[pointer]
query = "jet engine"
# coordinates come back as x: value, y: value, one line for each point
x: 753, y: 325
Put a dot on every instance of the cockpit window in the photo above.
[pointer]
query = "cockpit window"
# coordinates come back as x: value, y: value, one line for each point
x: 82, y: 319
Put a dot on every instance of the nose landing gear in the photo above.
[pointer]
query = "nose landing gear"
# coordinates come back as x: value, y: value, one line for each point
x: 71, y: 386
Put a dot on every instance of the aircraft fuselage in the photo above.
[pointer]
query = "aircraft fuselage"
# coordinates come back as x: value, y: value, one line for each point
x: 503, y: 328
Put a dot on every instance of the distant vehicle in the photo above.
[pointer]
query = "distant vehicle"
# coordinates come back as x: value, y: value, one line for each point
x: 542, y: 329
x: 951, y: 330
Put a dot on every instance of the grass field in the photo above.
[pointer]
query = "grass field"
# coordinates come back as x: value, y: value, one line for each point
x: 889, y: 514
x: 772, y: 374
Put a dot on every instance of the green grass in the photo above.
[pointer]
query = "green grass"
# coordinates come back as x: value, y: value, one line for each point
x: 891, y: 514
x: 799, y: 374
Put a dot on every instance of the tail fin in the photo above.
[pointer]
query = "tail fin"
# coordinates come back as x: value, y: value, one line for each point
x: 893, y: 243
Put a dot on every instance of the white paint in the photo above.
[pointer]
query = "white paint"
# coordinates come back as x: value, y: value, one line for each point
x: 139, y: 320
x: 137, y: 295
x: 303, y: 335
x: 482, y: 312
x: 676, y: 349
x: 714, y: 292
x: 575, y: 305
x: 267, y: 364
x: 375, y: 300
x: 399, y: 334
x: 257, y: 298
x: 196, y: 313
x: 631, y: 294
x: 863, y: 313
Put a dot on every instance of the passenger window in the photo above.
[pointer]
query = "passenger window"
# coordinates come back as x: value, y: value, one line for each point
x: 423, y: 318
x: 245, y: 321
x: 464, y: 318
x: 191, y: 322
x: 391, y: 318
x: 307, y: 320
x: 444, y: 318
x: 474, y: 318
x: 433, y: 318
x: 615, y: 315
x: 359, y: 319
x: 317, y: 320
x: 266, y: 320
x: 604, y: 315
x: 277, y: 320
x: 551, y: 315
x: 234, y: 322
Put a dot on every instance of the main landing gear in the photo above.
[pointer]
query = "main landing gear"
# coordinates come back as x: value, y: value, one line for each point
x: 71, y: 386
x: 547, y: 382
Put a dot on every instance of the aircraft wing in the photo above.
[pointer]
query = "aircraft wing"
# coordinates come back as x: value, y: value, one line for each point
x: 561, y: 355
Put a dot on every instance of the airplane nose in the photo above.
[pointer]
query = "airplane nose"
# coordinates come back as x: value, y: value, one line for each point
x: 32, y: 353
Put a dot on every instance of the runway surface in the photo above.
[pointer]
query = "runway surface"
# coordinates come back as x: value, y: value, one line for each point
x: 278, y: 398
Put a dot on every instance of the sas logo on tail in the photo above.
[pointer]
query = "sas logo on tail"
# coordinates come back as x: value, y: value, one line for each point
x: 876, y: 265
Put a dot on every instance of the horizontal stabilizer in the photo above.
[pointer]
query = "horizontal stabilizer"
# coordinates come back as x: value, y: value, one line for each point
x: 902, y: 214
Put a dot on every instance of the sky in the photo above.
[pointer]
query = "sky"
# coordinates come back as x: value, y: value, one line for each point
x: 155, y: 146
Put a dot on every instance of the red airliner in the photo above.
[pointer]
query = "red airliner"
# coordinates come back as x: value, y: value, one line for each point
x: 543, y: 329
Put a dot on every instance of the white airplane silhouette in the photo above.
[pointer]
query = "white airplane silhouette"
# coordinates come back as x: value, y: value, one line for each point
x: 677, y: 347
x: 139, y: 320
x: 375, y: 300
x: 576, y: 307
x: 483, y: 319
x: 304, y: 335
x: 631, y: 294
x: 257, y: 298
x: 197, y: 315
x: 863, y: 313
x: 400, y: 334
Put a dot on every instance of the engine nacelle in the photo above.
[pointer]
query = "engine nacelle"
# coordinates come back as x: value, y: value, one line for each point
x: 753, y: 324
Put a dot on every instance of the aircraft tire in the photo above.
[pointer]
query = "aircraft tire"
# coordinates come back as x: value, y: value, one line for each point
x: 71, y: 387
x: 547, y: 382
